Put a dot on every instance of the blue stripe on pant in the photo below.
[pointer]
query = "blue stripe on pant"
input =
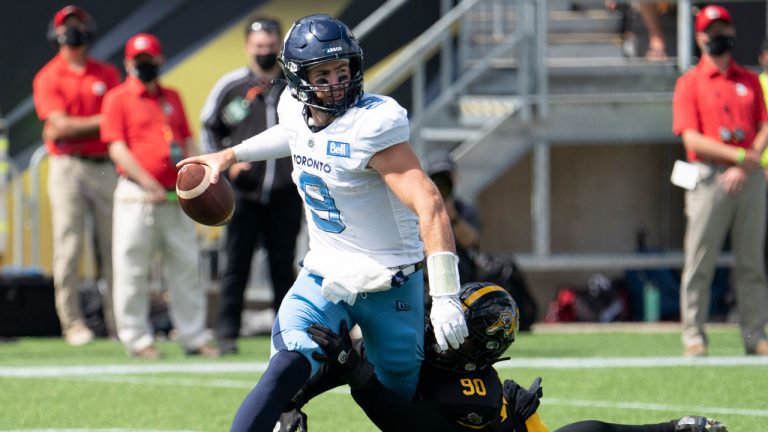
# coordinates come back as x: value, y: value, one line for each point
x: 392, y: 323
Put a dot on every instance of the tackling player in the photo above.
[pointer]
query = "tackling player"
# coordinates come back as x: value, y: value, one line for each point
x: 369, y: 207
x: 459, y: 390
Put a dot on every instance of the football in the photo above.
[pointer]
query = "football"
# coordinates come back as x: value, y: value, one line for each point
x: 207, y: 203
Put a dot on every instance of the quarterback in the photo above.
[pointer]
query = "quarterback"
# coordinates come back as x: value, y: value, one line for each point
x: 459, y: 389
x: 372, y: 215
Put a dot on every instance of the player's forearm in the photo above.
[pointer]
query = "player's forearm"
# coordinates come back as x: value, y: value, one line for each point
x: 435, y: 224
x: 61, y: 126
x: 270, y: 144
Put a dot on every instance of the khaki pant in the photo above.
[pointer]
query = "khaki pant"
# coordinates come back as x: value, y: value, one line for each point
x: 711, y: 214
x: 141, y: 231
x: 77, y: 187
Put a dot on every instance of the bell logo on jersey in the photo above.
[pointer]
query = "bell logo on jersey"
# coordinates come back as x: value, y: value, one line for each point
x: 338, y: 149
x: 506, y: 322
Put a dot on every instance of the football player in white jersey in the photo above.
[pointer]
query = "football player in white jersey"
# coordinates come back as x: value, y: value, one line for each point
x: 372, y: 215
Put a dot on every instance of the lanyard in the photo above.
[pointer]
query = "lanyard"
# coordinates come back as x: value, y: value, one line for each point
x: 167, y: 129
x: 251, y: 94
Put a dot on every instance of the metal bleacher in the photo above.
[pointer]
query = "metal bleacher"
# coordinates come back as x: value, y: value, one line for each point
x: 518, y: 78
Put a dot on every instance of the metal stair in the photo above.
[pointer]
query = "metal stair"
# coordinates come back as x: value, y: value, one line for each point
x: 588, y: 77
x: 529, y: 75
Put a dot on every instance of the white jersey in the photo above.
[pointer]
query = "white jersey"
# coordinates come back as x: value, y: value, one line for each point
x: 347, y: 204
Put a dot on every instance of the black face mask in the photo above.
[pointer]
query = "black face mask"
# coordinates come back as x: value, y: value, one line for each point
x: 266, y: 61
x: 720, y: 44
x: 74, y: 37
x: 147, y: 72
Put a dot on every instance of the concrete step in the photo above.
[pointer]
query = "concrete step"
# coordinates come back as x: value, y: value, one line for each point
x: 569, y: 75
x: 569, y: 5
x: 632, y: 76
x: 475, y: 110
x: 489, y: 21
x: 583, y: 22
x: 448, y: 134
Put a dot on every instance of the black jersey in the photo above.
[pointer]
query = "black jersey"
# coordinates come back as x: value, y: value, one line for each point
x: 473, y: 401
x: 445, y: 401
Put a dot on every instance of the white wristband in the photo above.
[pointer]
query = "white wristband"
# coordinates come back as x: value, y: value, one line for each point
x: 443, y: 270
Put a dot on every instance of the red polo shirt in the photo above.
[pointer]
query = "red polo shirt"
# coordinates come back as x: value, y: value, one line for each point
x: 707, y: 101
x: 142, y: 121
x: 56, y: 88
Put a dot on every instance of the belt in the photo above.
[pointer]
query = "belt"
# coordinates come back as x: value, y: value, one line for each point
x: 91, y: 158
x: 407, y: 269
x: 402, y: 272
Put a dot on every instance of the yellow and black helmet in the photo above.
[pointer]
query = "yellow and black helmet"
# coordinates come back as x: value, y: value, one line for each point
x: 492, y: 320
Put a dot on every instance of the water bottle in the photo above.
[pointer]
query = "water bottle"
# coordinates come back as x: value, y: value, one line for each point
x: 651, y: 302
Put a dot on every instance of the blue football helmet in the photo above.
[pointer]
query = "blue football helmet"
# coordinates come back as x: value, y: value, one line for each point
x: 492, y: 320
x: 316, y: 39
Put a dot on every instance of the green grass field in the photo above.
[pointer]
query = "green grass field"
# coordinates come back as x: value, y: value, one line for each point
x: 619, y: 376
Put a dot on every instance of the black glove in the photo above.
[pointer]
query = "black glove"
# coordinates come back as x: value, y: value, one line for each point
x: 292, y: 420
x: 341, y: 355
x: 525, y: 402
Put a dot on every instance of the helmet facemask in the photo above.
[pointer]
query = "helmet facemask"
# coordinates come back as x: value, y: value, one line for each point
x: 305, y: 92
x: 314, y: 40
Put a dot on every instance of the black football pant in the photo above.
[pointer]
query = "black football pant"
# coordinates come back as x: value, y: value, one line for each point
x: 273, y: 226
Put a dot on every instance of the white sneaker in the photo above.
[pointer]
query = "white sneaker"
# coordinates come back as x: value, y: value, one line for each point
x: 78, y: 335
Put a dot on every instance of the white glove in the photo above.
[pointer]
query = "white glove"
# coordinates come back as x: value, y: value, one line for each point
x: 448, y: 321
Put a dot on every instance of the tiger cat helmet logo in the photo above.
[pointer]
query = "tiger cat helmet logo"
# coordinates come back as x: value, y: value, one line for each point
x: 505, y: 322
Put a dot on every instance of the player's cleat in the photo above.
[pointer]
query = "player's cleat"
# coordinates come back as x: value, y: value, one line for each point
x: 699, y: 424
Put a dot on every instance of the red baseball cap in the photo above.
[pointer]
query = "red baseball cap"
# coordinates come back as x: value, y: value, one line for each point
x: 63, y: 13
x: 710, y: 14
x: 143, y: 43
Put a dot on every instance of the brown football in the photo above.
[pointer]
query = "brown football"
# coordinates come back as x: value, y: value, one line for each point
x: 205, y: 202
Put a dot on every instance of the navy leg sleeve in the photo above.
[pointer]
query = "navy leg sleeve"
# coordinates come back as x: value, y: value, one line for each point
x: 286, y: 373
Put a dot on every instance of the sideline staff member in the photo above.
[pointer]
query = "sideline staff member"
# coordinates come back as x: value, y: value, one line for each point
x: 148, y: 133
x: 719, y: 112
x: 268, y: 209
x: 68, y: 92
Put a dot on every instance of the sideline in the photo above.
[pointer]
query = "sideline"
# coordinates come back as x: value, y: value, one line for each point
x: 260, y: 367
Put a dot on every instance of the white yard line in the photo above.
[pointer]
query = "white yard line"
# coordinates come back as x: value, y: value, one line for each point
x: 128, y: 374
x: 259, y: 367
x: 203, y: 368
